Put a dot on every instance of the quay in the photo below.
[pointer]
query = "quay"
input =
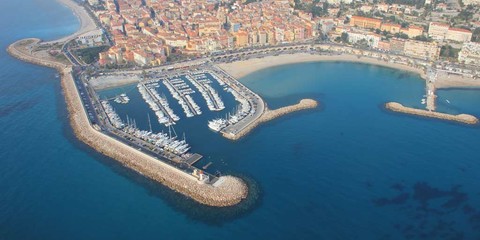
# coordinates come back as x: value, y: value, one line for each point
x: 461, y: 118
x: 224, y: 191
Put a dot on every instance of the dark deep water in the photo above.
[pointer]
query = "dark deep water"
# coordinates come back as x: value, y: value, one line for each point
x: 349, y: 170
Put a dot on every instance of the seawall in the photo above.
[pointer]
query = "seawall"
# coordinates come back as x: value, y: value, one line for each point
x: 227, y: 191
x: 269, y: 115
x: 461, y: 118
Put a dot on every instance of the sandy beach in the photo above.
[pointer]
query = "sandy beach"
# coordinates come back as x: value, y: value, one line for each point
x: 240, y: 69
x: 87, y: 24
x: 445, y: 80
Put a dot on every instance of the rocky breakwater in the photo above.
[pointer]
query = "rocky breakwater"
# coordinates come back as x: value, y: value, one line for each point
x: 461, y: 118
x: 269, y: 115
x: 227, y: 191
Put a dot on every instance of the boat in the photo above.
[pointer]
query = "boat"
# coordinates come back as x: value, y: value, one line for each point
x: 217, y: 124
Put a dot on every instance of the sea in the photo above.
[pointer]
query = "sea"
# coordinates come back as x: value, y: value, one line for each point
x: 347, y: 170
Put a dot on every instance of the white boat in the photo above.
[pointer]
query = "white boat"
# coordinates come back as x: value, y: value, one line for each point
x: 217, y: 124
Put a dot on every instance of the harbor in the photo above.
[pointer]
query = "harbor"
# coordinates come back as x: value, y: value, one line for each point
x: 96, y: 124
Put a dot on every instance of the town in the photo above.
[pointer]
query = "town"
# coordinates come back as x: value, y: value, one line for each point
x: 153, y: 32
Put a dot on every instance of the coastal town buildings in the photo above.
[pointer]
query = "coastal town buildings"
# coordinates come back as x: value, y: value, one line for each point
x: 152, y: 32
x: 422, y: 50
x: 365, y: 22
x: 91, y: 38
x: 471, y: 2
x: 443, y: 31
x: 470, y: 53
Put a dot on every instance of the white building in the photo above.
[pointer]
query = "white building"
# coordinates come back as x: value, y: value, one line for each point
x: 371, y: 38
x: 471, y: 2
x: 93, y: 2
x: 470, y: 53
x: 337, y: 2
x: 91, y: 38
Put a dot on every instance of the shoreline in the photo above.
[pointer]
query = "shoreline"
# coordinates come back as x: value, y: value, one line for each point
x: 269, y: 115
x: 87, y: 24
x: 460, y: 118
x: 227, y: 191
x: 240, y: 69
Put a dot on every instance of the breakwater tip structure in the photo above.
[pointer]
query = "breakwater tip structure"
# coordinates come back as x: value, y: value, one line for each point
x: 269, y: 115
x: 461, y: 118
x: 225, y: 191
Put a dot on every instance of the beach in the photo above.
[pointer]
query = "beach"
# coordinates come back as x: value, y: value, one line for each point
x: 242, y: 68
x: 87, y: 24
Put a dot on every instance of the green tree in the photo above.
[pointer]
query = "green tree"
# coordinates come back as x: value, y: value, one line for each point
x: 449, y: 52
x: 344, y: 37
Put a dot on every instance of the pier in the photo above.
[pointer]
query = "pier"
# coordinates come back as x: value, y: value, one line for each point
x: 430, y: 89
x: 269, y: 115
x: 461, y: 118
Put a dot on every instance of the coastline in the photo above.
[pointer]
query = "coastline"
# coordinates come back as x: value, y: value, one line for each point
x: 242, y: 68
x: 87, y: 24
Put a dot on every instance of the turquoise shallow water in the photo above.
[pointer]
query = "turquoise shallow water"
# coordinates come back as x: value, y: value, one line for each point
x: 349, y: 170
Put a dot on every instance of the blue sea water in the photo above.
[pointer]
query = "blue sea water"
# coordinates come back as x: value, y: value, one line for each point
x: 349, y: 170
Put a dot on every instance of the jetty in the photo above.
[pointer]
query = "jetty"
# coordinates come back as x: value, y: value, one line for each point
x: 268, y: 115
x: 224, y: 191
x: 430, y: 79
x: 461, y: 118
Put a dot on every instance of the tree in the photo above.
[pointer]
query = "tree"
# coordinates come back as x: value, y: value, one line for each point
x: 344, y: 37
x: 448, y: 51
x: 476, y: 35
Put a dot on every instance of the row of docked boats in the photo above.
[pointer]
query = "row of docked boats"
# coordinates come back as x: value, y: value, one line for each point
x: 180, y: 91
x: 243, y: 109
x: 162, y: 140
x: 122, y: 99
x: 202, y: 83
x: 115, y: 120
x: 158, y: 104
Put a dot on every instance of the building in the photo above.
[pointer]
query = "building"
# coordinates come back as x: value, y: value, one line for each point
x: 93, y: 2
x: 471, y: 2
x: 91, y: 38
x: 365, y: 22
x: 470, y: 53
x: 438, y: 31
x: 337, y: 2
x: 422, y: 50
x: 391, y: 27
x: 459, y: 35
x: 412, y: 31
x: 397, y: 45
x: 372, y: 39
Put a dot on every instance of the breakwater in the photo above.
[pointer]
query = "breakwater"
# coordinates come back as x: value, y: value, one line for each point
x: 269, y: 115
x: 461, y: 118
x: 227, y: 191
